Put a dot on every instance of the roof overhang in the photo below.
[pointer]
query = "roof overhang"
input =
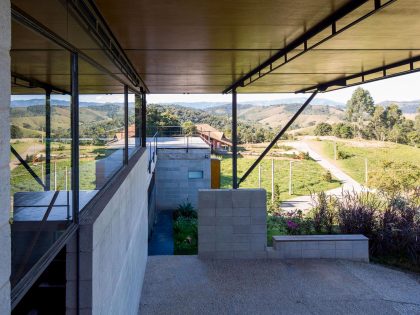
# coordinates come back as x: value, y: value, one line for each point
x: 215, y: 46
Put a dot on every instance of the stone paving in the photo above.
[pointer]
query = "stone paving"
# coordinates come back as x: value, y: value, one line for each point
x: 189, y: 285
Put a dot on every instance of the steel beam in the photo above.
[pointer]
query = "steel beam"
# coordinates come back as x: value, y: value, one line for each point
x: 278, y: 136
x: 48, y: 139
x: 28, y: 21
x: 137, y: 118
x: 412, y: 65
x: 303, y: 42
x: 234, y: 141
x: 74, y: 66
x: 96, y: 25
x: 143, y: 119
x: 32, y: 83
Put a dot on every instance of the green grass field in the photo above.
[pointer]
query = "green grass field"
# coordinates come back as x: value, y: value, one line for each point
x: 375, y: 153
x: 307, y: 176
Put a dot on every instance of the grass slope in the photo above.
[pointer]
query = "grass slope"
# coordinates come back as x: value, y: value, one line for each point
x: 307, y: 176
x: 374, y: 151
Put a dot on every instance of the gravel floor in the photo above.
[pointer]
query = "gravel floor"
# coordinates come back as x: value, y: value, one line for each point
x: 189, y: 285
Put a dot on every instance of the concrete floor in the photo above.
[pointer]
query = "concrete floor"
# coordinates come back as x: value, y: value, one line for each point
x: 188, y: 285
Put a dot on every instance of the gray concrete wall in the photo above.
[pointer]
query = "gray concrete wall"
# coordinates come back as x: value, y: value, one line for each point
x: 172, y: 184
x: 5, y: 260
x: 232, y: 223
x: 113, y: 250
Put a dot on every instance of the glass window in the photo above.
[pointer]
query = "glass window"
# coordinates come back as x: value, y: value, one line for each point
x: 195, y: 174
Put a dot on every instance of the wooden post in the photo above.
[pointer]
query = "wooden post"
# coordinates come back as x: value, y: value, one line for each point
x: 272, y: 179
x: 55, y: 175
x: 66, y: 178
x: 335, y: 150
x: 259, y: 175
x: 290, y: 179
x: 366, y: 171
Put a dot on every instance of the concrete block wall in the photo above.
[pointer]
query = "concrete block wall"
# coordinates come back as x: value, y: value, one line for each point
x: 232, y: 223
x: 340, y: 246
x: 113, y: 250
x: 5, y: 256
x: 172, y: 184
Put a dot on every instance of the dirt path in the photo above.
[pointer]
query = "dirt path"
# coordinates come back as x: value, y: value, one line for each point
x: 31, y: 150
x: 347, y: 183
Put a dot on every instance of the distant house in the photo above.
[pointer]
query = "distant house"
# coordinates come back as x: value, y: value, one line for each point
x: 215, y: 138
x: 120, y: 135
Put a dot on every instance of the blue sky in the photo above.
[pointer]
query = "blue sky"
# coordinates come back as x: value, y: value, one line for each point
x: 402, y: 88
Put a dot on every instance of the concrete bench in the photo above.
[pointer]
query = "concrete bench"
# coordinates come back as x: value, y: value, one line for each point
x: 340, y: 246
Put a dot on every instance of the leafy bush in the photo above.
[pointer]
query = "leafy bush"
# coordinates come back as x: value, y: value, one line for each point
x: 327, y: 176
x: 323, y: 129
x: 398, y: 231
x: 304, y: 156
x: 342, y: 155
x: 185, y: 210
x: 357, y: 213
x: 185, y: 236
x: 324, y: 213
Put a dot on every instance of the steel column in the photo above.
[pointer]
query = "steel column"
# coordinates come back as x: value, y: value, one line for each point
x: 137, y: 118
x: 278, y: 136
x: 47, y: 139
x: 234, y: 141
x: 125, y: 124
x: 74, y: 64
x: 143, y: 120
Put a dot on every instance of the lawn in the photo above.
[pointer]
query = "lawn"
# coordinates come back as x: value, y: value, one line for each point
x: 21, y: 180
x: 375, y: 152
x: 307, y: 176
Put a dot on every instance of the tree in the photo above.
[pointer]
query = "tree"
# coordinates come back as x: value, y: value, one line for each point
x: 342, y: 130
x: 15, y: 132
x: 189, y: 128
x: 323, y: 129
x: 359, y: 107
x: 395, y: 177
x: 417, y: 120
x: 378, y: 124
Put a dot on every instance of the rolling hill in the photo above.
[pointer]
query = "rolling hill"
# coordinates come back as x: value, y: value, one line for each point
x: 277, y: 115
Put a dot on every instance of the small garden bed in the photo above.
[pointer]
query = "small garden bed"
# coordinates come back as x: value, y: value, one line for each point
x: 185, y: 230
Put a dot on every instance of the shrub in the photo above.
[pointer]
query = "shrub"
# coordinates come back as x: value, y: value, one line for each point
x: 323, y: 129
x: 185, y: 235
x: 328, y: 177
x: 185, y: 209
x: 398, y: 231
x: 304, y: 156
x: 342, y: 155
x: 324, y: 213
x: 357, y: 213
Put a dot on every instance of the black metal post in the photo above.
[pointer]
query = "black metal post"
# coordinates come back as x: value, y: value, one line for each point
x: 125, y: 124
x: 47, y: 139
x: 75, y: 135
x: 137, y: 118
x: 234, y: 141
x: 143, y: 120
x: 278, y: 136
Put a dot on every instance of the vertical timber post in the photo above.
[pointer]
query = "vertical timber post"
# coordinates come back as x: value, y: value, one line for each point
x: 75, y: 135
x: 366, y: 171
x: 143, y: 119
x: 272, y: 180
x: 234, y: 141
x: 47, y: 139
x: 137, y: 118
x: 290, y: 179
